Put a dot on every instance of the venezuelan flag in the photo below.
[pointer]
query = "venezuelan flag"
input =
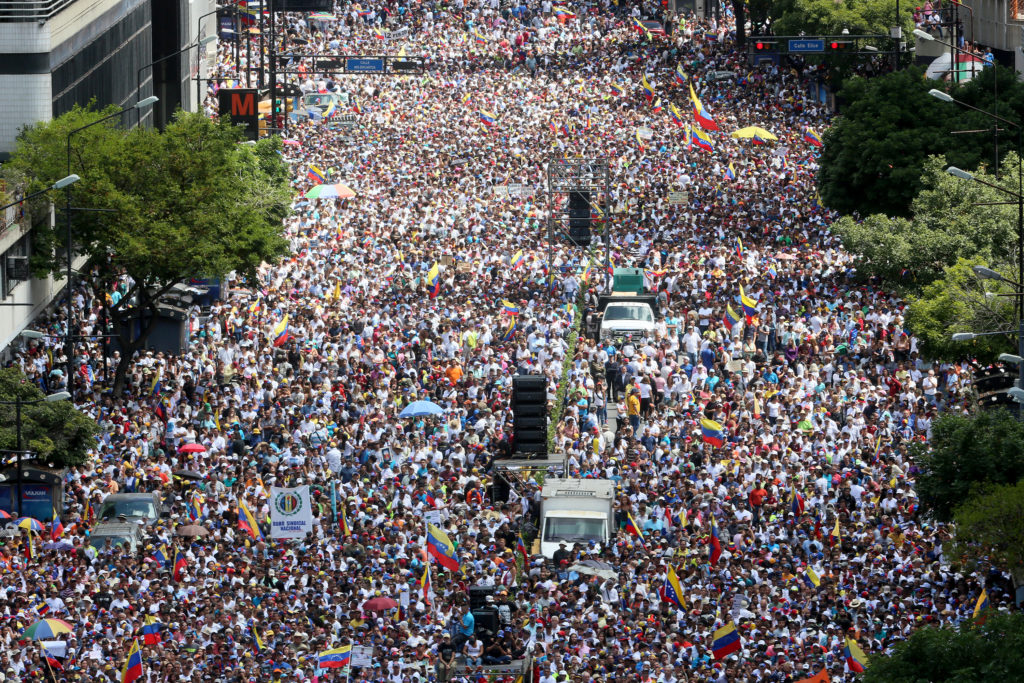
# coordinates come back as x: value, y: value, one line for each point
x: 356, y: 107
x: 563, y: 13
x: 180, y: 565
x: 517, y: 259
x: 730, y: 174
x: 337, y: 658
x: 979, y: 608
x: 618, y: 90
x: 701, y: 139
x: 281, y: 331
x: 835, y: 536
x: 442, y: 548
x: 466, y: 98
x: 151, y: 631
x: 856, y: 660
x: 712, y: 432
x: 749, y: 305
x: 648, y: 88
x: 725, y: 641
x: 811, y: 137
x: 731, y: 317
x: 701, y: 115
x: 480, y: 40
x: 510, y: 331
x: 671, y: 591
x: 810, y: 577
x: 739, y: 245
x: 132, y: 670
x: 510, y: 307
x: 256, y: 640
x: 486, y: 117
x: 56, y: 528
x: 796, y: 504
x: 521, y: 549
x: 680, y: 75
x: 316, y: 175
x: 657, y: 107
x: 247, y: 522
x: 715, y: 542
x: 677, y: 116
x: 633, y: 528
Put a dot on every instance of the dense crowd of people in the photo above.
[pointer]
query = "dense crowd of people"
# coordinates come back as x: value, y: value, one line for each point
x: 763, y: 329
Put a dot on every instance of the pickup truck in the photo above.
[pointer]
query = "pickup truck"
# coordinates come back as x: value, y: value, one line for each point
x: 622, y: 315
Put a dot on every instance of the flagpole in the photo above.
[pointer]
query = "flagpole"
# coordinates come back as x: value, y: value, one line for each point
x: 42, y: 653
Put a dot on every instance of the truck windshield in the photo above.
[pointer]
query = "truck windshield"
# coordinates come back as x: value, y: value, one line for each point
x: 573, y: 530
x: 128, y: 508
x: 628, y: 313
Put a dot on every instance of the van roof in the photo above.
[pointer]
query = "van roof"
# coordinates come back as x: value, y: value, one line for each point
x: 583, y: 488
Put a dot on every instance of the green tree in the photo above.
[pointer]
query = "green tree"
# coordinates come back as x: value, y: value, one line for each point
x: 831, y: 17
x: 55, y: 432
x: 990, y: 528
x: 968, y: 654
x: 967, y: 452
x: 873, y: 155
x: 961, y: 302
x: 188, y: 201
x: 950, y: 221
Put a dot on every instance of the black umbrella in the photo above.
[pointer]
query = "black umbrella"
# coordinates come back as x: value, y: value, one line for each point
x: 188, y: 474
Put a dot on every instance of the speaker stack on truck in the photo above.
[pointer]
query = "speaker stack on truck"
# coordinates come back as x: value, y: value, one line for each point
x: 529, y: 416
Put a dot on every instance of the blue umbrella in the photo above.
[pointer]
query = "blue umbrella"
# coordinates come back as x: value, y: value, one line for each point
x: 421, y: 409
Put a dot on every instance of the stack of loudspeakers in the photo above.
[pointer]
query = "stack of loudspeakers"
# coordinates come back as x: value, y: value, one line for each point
x: 530, y: 416
x: 579, y: 218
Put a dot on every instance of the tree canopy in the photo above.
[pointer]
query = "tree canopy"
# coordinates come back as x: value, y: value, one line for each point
x: 55, y: 432
x: 990, y: 528
x: 185, y: 202
x: 967, y: 453
x: 830, y: 17
x: 968, y: 654
x: 873, y: 155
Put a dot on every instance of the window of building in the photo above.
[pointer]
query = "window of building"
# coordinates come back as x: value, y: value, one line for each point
x: 14, y: 264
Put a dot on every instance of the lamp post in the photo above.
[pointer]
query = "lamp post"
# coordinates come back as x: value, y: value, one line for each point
x: 202, y: 41
x: 18, y: 403
x: 67, y: 217
x: 988, y: 273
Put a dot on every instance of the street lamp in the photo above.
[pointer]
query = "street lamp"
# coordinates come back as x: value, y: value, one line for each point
x: 18, y: 403
x: 199, y: 30
x: 138, y: 106
x: 67, y: 181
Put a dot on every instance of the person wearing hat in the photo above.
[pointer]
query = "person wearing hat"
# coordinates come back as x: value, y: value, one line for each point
x: 445, y: 667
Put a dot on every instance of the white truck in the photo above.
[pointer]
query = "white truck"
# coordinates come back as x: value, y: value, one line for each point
x: 627, y: 318
x: 576, y: 511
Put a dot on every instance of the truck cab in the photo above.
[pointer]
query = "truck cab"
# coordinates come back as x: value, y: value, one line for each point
x: 576, y: 511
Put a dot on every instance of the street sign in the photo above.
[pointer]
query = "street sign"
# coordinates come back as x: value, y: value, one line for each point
x: 806, y: 45
x: 364, y: 66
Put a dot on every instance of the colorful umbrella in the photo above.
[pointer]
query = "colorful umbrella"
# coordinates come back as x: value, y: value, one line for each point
x: 4, y: 514
x: 289, y: 141
x: 329, y: 191
x: 29, y: 523
x: 754, y: 132
x: 421, y: 409
x: 192, y: 448
x: 322, y: 16
x: 47, y: 629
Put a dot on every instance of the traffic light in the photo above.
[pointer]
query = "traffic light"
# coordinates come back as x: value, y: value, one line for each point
x: 277, y: 105
x: 764, y: 46
x: 838, y: 45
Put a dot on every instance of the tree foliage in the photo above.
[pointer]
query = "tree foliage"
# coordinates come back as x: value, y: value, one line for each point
x: 55, y: 432
x: 961, y: 302
x: 968, y: 654
x: 949, y: 223
x: 185, y: 202
x: 990, y: 527
x: 967, y: 452
x: 889, y: 125
x: 831, y: 17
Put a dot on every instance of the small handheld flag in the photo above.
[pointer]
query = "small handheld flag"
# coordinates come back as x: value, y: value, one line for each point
x: 712, y: 432
x: 725, y: 641
x: 441, y: 548
x: 979, y: 608
x: 132, y: 670
x: 336, y: 658
x: 812, y: 138
x: 856, y: 660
